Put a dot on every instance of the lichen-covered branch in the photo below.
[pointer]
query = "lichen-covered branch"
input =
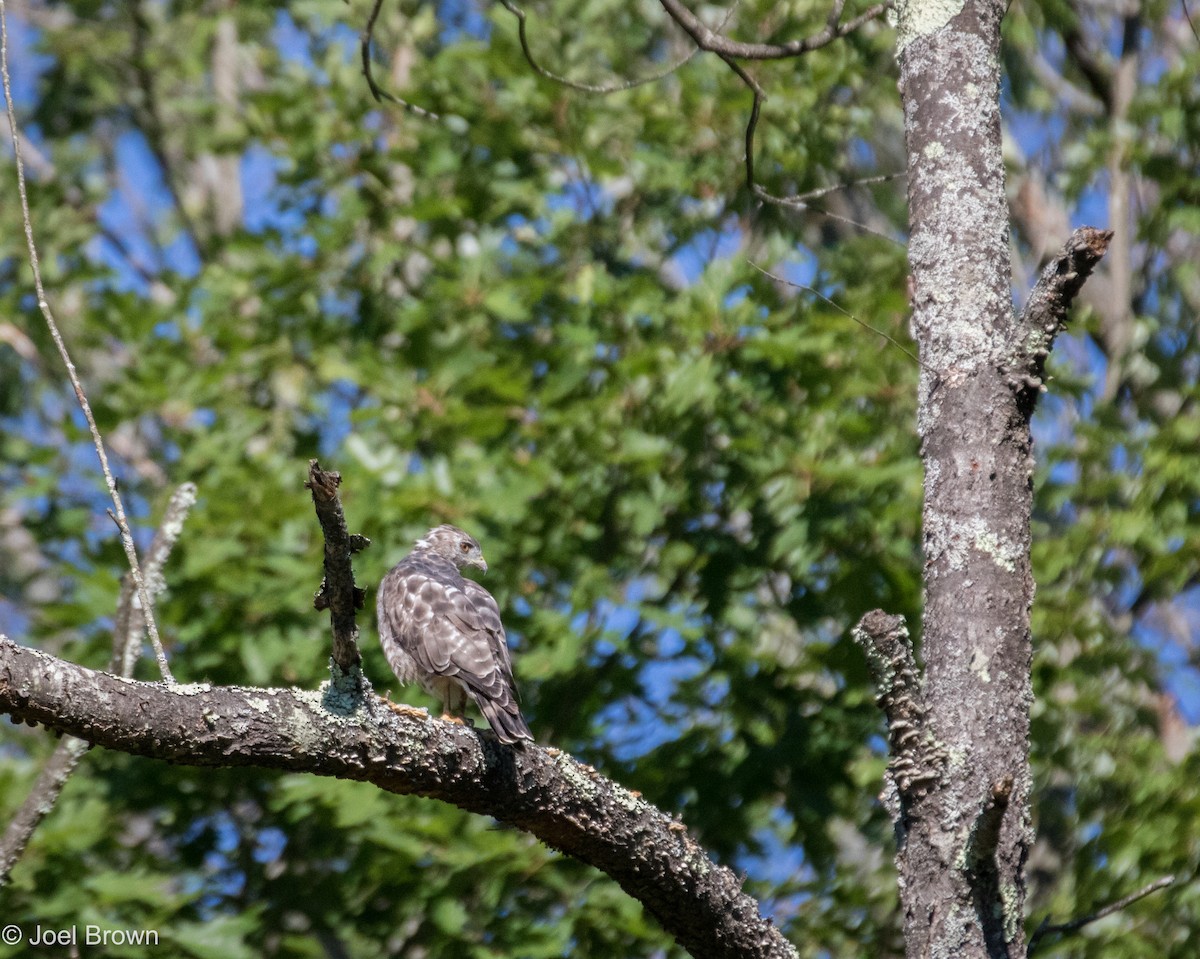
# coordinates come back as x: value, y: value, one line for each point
x: 338, y: 593
x: 916, y: 761
x: 1045, y: 315
x: 566, y: 804
x: 962, y: 861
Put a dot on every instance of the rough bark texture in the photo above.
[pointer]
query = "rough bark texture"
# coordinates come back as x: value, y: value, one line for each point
x: 338, y: 594
x: 917, y: 760
x: 960, y: 897
x: 964, y: 839
x: 566, y: 804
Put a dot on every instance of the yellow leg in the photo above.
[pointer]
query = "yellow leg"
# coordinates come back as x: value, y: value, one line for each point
x: 401, y: 709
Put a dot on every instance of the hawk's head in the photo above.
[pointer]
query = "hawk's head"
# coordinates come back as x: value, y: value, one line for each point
x: 455, y: 545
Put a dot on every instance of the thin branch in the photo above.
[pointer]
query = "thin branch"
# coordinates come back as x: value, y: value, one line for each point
x: 1045, y: 314
x: 1088, y: 64
x: 866, y: 326
x: 800, y: 199
x: 729, y: 51
x: 1187, y: 15
x: 566, y: 804
x: 338, y: 593
x: 127, y: 631
x: 44, y: 306
x: 377, y: 91
x: 798, y: 202
x: 713, y: 42
x: 1067, y: 928
x: 130, y: 612
x: 597, y: 89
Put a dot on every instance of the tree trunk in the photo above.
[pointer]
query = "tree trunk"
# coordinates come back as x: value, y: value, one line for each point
x: 964, y: 841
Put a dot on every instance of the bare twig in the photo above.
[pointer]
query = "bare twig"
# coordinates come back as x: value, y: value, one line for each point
x: 377, y: 91
x: 44, y: 306
x: 800, y: 199
x: 127, y: 630
x: 129, y: 621
x: 338, y: 593
x: 713, y: 42
x: 1187, y: 15
x: 799, y: 202
x: 866, y: 326
x: 1066, y: 928
x: 597, y: 89
x: 730, y: 51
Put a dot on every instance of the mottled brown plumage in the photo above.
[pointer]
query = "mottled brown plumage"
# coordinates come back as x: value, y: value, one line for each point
x: 443, y: 631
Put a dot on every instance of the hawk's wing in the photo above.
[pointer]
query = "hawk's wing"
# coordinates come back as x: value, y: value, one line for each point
x: 453, y: 629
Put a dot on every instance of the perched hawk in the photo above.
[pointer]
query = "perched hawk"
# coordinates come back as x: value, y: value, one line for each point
x: 444, y: 632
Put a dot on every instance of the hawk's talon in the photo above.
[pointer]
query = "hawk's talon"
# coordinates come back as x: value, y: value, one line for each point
x: 402, y: 709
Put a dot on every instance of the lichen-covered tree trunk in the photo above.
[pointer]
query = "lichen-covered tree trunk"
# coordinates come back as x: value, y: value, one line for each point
x: 965, y: 838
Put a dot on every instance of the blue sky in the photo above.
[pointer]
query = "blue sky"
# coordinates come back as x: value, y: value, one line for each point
x: 639, y: 723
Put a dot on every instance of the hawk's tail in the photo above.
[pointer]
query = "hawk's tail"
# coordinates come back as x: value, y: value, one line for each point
x: 505, y: 719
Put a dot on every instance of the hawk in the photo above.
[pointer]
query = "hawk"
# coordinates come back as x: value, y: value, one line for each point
x: 444, y: 631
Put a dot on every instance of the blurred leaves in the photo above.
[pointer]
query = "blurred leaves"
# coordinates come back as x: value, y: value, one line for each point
x: 541, y: 324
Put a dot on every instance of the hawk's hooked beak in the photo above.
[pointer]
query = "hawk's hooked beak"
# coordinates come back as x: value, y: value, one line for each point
x: 481, y: 563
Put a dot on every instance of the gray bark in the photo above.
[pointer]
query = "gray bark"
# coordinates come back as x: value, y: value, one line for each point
x: 965, y: 832
x: 566, y: 804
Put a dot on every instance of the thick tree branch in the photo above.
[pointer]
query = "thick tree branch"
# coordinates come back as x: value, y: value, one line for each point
x: 566, y: 804
x: 338, y: 594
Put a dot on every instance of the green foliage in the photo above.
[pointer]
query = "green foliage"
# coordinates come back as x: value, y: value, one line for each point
x: 535, y: 319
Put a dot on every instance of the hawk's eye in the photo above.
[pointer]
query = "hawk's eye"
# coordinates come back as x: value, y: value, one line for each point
x: 465, y: 547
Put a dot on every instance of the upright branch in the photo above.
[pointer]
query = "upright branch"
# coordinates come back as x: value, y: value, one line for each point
x: 1045, y: 315
x: 917, y: 761
x: 338, y: 594
x: 126, y: 644
x: 118, y: 511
